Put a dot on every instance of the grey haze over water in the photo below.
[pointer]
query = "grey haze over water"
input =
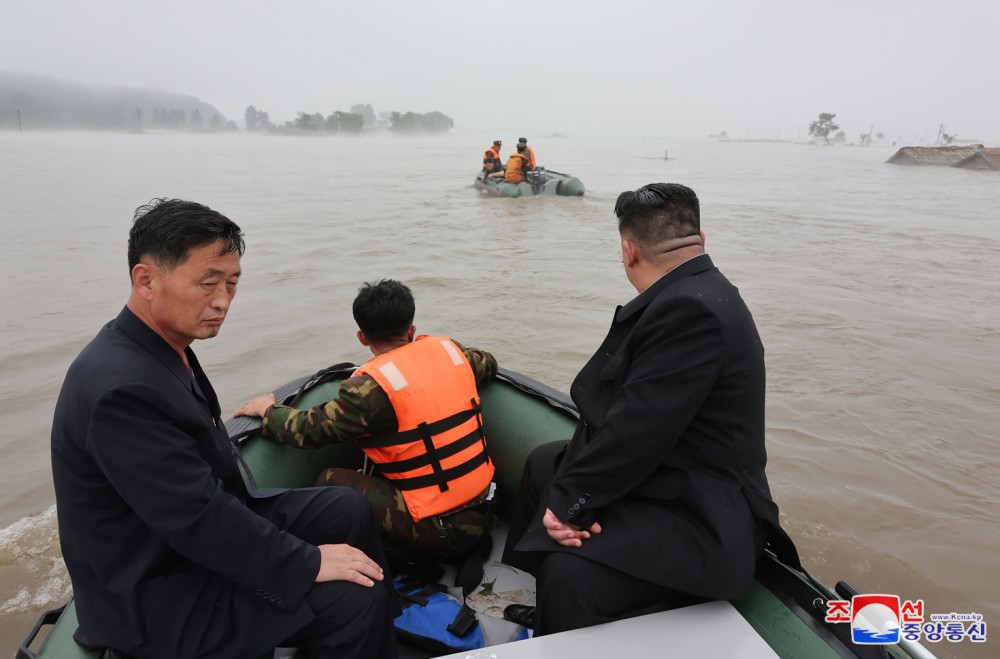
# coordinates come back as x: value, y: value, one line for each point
x: 668, y: 69
x: 874, y: 287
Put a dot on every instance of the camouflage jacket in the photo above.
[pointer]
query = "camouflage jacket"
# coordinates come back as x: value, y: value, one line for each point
x: 361, y: 408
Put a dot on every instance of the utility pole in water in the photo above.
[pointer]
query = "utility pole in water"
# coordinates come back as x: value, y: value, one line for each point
x: 19, y: 129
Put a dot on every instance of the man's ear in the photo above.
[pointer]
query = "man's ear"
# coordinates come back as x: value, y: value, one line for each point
x: 630, y: 253
x: 411, y: 333
x: 363, y: 340
x: 142, y: 280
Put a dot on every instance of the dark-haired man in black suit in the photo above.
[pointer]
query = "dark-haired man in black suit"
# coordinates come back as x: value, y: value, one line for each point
x: 660, y: 499
x: 169, y: 553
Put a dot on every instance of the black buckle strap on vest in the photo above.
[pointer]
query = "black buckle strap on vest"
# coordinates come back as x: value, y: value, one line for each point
x: 417, y: 482
x: 416, y: 434
x: 418, y: 461
x: 435, y: 459
x: 425, y: 433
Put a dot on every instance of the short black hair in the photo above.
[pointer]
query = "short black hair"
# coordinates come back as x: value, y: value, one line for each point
x: 165, y: 230
x: 384, y: 310
x: 658, y: 212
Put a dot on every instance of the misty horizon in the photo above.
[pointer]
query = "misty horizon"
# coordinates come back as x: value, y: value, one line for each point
x: 634, y: 68
x: 170, y: 99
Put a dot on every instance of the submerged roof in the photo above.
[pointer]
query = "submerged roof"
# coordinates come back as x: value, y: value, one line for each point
x: 981, y: 159
x: 946, y: 156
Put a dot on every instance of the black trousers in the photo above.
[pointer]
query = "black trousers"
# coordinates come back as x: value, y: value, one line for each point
x: 337, y: 618
x: 349, y: 620
x: 573, y: 591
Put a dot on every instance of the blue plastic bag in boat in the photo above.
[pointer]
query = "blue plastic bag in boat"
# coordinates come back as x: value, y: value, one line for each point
x: 428, y: 612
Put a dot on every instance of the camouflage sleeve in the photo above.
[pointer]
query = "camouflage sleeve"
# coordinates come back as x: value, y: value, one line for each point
x: 484, y: 365
x: 360, y: 408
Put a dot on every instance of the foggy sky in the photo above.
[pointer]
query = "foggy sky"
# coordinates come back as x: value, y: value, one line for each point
x: 680, y: 68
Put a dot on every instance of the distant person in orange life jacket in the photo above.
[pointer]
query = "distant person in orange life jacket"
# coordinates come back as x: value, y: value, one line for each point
x: 529, y: 150
x: 491, y: 158
x: 517, y: 165
x: 436, y: 504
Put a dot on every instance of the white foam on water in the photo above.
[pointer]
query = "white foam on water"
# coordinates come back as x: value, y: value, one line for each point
x: 31, y: 545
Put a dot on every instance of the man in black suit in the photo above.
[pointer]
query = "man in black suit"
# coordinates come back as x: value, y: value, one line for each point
x: 169, y: 553
x: 660, y: 498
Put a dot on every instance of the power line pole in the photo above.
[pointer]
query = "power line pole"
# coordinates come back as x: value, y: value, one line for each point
x: 19, y: 129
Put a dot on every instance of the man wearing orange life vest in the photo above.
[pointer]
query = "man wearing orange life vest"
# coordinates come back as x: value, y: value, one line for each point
x: 491, y: 158
x: 414, y: 393
x: 528, y: 150
x: 517, y: 165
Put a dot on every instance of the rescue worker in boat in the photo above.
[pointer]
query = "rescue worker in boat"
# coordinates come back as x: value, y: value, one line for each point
x: 491, y: 158
x: 490, y: 164
x: 517, y: 166
x: 414, y: 391
x: 529, y: 150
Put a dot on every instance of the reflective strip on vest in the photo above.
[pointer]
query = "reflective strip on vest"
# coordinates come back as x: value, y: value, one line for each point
x: 393, y: 376
x: 456, y: 357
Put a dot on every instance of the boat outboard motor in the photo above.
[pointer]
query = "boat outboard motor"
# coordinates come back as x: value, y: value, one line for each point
x: 536, y: 175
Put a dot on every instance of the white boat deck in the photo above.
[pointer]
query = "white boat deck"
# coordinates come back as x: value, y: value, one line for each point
x: 713, y: 629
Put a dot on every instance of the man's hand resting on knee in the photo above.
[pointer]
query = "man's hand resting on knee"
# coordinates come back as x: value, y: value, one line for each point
x: 347, y: 563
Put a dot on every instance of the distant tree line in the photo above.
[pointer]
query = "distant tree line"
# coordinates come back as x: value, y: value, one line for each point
x: 178, y: 120
x: 338, y: 121
x: 348, y: 123
x: 257, y: 120
x: 342, y: 123
x: 36, y: 102
x: 47, y: 103
x: 413, y: 122
x: 366, y: 111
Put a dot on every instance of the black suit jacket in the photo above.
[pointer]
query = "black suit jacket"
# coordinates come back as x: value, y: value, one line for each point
x: 155, y: 522
x: 669, y: 453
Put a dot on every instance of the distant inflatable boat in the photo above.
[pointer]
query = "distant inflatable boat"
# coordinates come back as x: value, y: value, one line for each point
x: 540, y: 181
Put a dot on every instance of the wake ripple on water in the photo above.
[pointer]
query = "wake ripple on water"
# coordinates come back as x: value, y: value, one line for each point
x: 30, y: 546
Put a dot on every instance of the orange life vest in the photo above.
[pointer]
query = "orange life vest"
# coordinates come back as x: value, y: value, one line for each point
x: 517, y: 165
x: 531, y: 155
x: 437, y: 457
x: 496, y: 157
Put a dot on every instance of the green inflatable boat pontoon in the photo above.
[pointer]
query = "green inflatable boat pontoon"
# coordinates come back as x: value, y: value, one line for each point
x: 782, y: 615
x: 540, y: 181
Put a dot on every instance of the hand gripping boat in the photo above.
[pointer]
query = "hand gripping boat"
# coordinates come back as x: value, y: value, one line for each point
x: 782, y: 616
